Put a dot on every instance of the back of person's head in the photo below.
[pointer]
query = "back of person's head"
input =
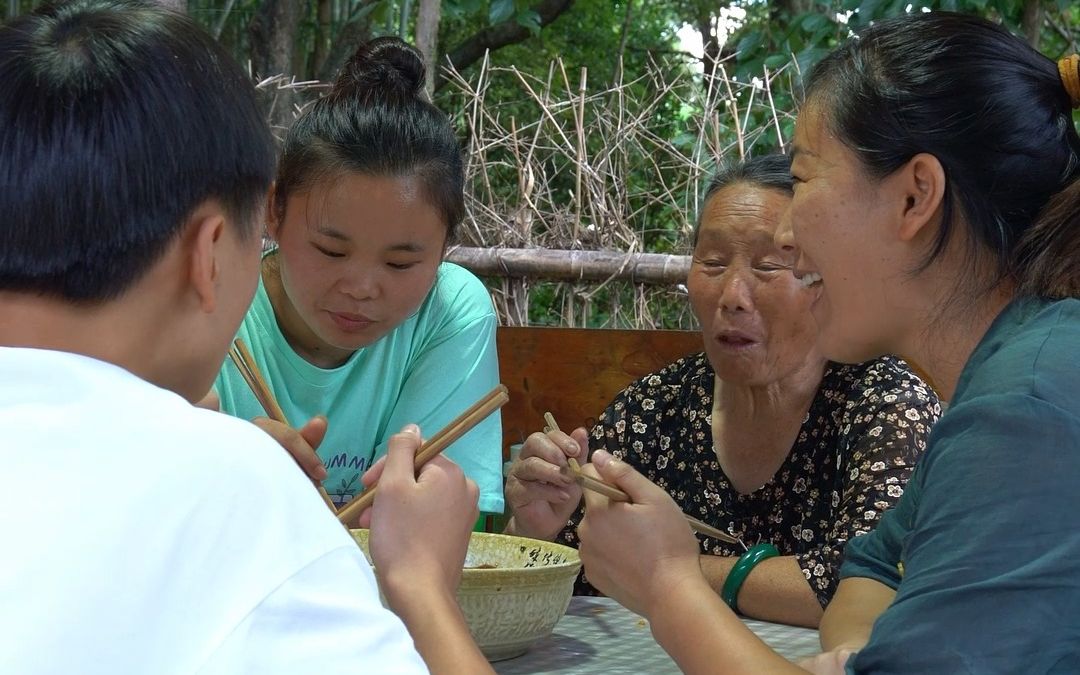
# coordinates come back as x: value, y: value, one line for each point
x: 994, y: 112
x: 117, y: 119
x: 767, y: 172
x: 376, y: 122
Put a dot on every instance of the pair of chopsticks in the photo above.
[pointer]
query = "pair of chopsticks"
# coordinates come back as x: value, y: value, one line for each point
x: 245, y: 363
x: 457, y: 428
x: 616, y: 495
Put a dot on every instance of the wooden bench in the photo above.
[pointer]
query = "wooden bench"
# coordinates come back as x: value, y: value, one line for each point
x: 574, y: 373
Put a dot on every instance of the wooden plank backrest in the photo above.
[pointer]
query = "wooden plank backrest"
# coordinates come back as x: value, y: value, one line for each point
x: 575, y: 372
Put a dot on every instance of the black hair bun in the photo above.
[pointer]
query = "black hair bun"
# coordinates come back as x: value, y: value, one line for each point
x: 386, y: 67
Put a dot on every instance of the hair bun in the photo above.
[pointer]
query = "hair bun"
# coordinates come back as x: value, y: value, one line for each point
x: 386, y: 67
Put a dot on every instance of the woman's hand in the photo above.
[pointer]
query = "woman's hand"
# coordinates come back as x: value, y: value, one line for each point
x: 541, y: 495
x: 300, y: 443
x: 420, y: 524
x: 635, y: 552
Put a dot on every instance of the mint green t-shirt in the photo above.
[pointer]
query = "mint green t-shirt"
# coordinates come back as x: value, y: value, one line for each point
x: 426, y: 371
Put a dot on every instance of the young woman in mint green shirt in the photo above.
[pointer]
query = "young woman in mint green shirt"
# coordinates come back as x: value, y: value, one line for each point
x: 358, y: 325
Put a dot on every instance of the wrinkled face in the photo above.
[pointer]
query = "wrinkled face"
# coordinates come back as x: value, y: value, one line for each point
x: 754, y: 314
x: 357, y: 255
x: 843, y: 222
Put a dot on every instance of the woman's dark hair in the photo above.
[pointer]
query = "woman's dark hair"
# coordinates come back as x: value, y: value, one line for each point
x: 990, y: 108
x: 771, y: 172
x: 117, y: 118
x: 376, y: 122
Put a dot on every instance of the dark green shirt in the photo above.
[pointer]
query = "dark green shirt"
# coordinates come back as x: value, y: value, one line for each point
x: 988, y: 530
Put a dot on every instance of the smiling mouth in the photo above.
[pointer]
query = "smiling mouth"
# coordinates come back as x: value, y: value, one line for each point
x: 808, y: 279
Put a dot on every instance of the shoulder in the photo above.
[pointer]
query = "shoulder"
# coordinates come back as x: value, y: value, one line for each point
x: 1032, y: 350
x: 885, y: 381
x: 459, y: 291
x: 669, y: 383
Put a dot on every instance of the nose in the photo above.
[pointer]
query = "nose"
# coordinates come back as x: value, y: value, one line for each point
x: 784, y: 239
x: 736, y: 295
x: 360, y: 285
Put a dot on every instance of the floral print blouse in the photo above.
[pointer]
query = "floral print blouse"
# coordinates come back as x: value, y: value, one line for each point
x: 856, y: 449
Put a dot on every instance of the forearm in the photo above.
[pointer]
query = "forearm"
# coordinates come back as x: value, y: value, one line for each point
x: 703, y: 635
x: 776, y: 590
x: 851, y: 615
x: 439, y: 632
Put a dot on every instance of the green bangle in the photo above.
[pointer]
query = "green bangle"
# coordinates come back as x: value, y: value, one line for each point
x: 741, y: 570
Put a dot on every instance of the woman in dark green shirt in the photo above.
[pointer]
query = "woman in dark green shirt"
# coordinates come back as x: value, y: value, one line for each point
x: 937, y: 213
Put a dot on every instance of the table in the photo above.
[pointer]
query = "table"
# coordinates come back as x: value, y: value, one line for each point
x: 597, y: 635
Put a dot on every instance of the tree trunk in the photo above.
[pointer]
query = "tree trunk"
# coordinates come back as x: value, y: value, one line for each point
x: 471, y: 50
x: 551, y: 265
x: 429, y: 14
x: 1032, y: 21
x: 325, y: 18
x: 272, y: 33
x: 623, y: 35
x: 351, y: 36
x: 403, y: 19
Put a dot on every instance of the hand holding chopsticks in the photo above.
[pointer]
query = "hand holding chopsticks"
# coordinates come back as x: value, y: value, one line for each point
x: 245, y: 363
x: 616, y: 495
x: 457, y: 428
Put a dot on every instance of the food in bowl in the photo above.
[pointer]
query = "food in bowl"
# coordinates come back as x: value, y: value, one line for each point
x: 513, y: 590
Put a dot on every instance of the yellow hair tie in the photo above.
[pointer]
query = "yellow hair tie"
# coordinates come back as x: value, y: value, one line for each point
x: 1069, y: 69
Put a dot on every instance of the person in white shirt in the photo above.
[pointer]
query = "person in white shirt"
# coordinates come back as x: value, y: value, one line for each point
x: 142, y: 534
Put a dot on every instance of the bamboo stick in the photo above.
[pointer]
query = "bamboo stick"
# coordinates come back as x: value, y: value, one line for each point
x: 241, y: 356
x: 457, y: 428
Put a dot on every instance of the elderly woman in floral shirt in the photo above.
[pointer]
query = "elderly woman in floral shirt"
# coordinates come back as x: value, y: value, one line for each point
x: 759, y: 435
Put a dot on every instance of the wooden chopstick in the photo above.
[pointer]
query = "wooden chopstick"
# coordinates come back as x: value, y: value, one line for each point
x: 616, y: 495
x: 457, y: 428
x: 550, y: 419
x: 241, y: 356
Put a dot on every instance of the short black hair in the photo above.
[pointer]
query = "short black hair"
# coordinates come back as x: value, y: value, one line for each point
x: 117, y: 118
x: 771, y: 172
x: 982, y: 101
x: 377, y: 122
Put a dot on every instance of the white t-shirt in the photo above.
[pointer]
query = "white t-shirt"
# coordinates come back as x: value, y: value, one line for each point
x: 143, y: 535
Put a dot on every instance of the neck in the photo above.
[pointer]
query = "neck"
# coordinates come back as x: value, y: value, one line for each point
x: 301, y: 338
x: 942, y: 348
x: 784, y: 397
x: 126, y: 332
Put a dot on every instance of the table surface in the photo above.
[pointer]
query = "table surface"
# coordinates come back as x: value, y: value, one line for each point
x: 597, y: 635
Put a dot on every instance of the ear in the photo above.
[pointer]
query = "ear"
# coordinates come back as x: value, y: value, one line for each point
x: 922, y: 180
x: 207, y: 234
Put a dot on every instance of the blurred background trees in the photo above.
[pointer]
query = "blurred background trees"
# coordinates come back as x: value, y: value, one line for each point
x: 589, y: 124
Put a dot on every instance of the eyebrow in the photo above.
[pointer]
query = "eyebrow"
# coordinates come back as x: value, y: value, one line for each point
x: 407, y: 248
x: 328, y: 231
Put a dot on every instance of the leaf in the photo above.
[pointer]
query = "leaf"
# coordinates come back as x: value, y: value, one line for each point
x: 748, y: 45
x: 776, y: 61
x: 500, y: 10
x: 530, y: 19
x: 813, y: 22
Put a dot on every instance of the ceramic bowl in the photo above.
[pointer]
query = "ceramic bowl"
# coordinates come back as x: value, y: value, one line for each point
x: 513, y: 590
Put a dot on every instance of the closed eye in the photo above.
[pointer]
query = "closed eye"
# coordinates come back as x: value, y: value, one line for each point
x: 772, y: 267
x: 401, y: 266
x: 327, y: 252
